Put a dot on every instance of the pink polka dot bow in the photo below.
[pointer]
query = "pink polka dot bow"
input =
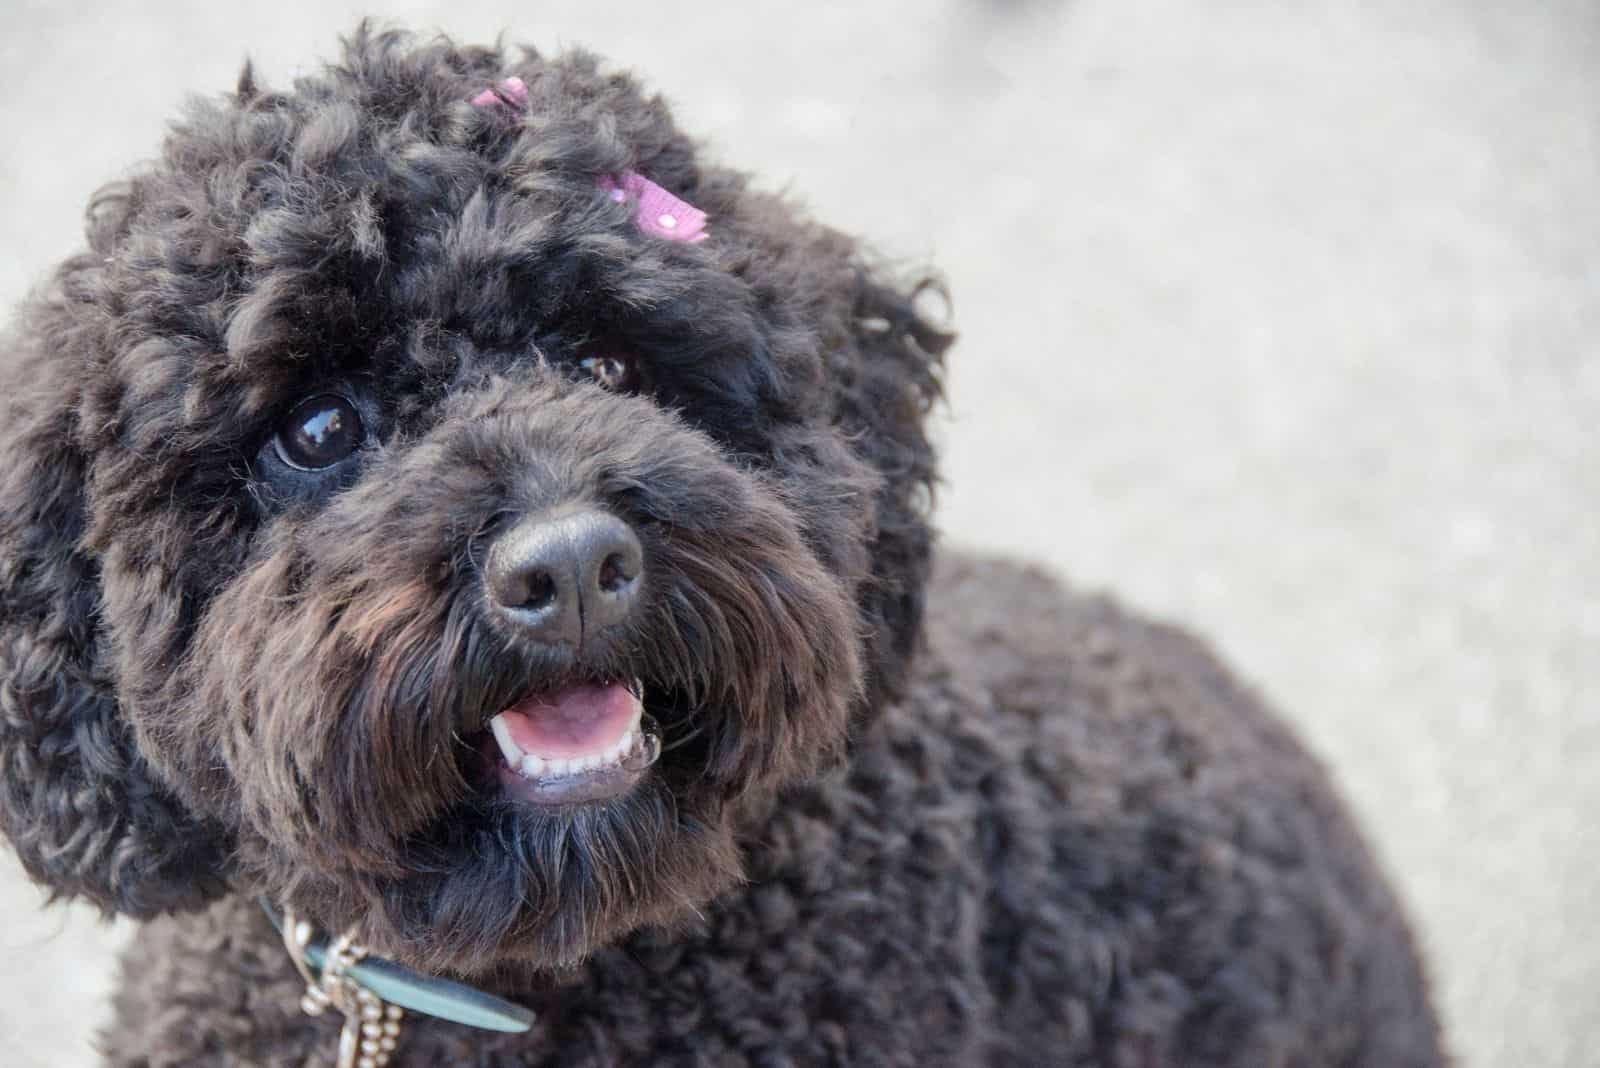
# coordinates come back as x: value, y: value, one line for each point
x: 658, y: 212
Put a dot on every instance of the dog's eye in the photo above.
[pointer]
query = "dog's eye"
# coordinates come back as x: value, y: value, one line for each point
x: 318, y: 433
x: 613, y: 370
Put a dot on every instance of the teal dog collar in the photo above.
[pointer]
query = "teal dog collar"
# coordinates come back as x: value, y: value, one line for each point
x: 372, y: 992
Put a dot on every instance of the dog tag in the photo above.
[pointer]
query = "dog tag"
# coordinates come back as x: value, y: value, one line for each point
x: 404, y: 988
x: 371, y: 1026
x: 371, y: 1032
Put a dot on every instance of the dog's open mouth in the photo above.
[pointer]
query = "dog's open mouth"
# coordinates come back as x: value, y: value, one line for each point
x: 585, y: 741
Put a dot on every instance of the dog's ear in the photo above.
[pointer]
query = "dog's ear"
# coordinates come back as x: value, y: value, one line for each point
x: 76, y: 800
x: 885, y: 393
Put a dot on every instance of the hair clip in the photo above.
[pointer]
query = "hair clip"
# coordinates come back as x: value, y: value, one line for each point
x: 659, y: 213
x: 512, y: 90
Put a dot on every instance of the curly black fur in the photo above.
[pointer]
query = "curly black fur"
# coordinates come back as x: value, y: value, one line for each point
x: 222, y: 676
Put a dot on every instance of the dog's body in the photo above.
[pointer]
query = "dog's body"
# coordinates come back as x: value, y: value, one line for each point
x: 420, y: 515
x: 1076, y: 842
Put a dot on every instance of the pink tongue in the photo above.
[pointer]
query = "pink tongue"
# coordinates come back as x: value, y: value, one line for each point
x: 573, y: 721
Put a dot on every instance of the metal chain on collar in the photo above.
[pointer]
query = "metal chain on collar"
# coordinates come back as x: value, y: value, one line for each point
x: 371, y: 1025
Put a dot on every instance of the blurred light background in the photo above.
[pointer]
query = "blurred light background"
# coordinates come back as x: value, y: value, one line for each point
x: 1282, y: 320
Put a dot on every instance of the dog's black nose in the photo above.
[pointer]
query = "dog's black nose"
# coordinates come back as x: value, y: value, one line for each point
x: 563, y: 578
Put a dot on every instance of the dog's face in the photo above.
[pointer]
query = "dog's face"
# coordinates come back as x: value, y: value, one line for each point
x: 396, y: 525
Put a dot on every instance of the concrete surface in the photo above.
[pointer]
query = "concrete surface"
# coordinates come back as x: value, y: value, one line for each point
x: 1280, y: 319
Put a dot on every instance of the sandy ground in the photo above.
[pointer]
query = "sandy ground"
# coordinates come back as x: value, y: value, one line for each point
x: 1280, y: 323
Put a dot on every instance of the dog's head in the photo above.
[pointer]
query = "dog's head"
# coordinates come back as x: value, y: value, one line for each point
x: 397, y: 523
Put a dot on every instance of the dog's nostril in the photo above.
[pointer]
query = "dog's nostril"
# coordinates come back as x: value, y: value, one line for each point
x: 614, y: 573
x: 541, y: 590
x: 529, y: 588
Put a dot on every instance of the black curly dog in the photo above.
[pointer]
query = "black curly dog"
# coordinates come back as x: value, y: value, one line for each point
x: 387, y: 482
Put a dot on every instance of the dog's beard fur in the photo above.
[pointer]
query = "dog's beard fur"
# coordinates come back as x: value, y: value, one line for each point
x: 333, y: 688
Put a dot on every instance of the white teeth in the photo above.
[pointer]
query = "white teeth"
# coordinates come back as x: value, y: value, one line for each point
x: 502, y: 735
x: 533, y: 766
